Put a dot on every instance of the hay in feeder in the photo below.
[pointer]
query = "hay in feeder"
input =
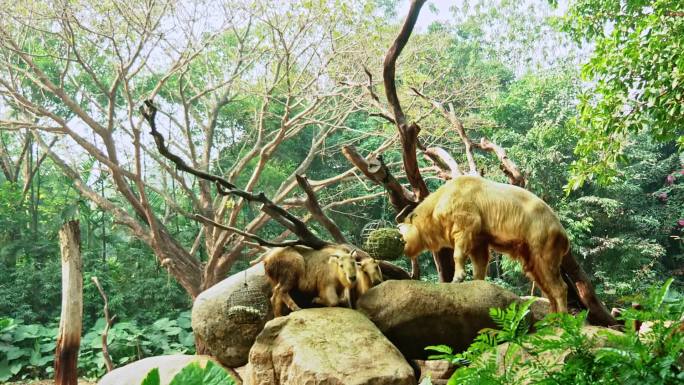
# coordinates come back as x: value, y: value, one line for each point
x: 247, y: 305
x: 384, y: 243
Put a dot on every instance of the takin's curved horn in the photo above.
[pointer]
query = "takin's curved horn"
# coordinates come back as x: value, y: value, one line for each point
x: 404, y: 213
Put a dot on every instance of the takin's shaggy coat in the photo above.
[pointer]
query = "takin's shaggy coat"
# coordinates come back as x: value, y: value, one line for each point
x: 329, y: 274
x: 471, y: 215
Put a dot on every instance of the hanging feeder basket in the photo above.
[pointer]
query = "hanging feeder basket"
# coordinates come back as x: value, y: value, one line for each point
x: 247, y: 305
x: 382, y: 241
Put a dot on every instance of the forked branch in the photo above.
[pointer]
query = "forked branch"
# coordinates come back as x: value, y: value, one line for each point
x: 258, y: 239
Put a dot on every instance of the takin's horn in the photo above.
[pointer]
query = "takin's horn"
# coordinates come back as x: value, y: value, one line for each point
x: 404, y: 213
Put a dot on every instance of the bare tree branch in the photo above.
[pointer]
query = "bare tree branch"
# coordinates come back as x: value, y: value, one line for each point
x: 315, y: 209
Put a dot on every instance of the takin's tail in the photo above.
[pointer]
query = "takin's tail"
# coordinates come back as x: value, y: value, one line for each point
x: 598, y: 313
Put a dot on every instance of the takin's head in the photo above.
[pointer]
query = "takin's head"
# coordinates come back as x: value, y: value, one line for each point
x: 345, y: 268
x: 413, y: 242
x: 371, y: 268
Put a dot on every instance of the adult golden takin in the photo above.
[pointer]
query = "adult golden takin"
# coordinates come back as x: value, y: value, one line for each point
x: 471, y: 215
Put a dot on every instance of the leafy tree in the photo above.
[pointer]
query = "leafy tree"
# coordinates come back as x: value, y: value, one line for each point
x: 635, y: 75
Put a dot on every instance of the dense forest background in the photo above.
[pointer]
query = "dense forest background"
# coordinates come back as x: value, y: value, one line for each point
x: 590, y: 108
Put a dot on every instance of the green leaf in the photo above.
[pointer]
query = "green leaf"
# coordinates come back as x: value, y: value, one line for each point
x: 189, y: 375
x: 216, y: 375
x: 152, y: 378
x: 440, y: 349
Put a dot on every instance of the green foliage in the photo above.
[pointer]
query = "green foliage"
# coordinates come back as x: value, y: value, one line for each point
x: 194, y: 374
x: 560, y: 352
x: 27, y: 350
x: 637, y: 81
x: 626, y: 235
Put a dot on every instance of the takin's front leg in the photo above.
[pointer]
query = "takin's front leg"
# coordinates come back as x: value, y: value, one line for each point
x: 467, y: 226
x: 327, y: 297
x: 415, y: 268
x: 462, y: 248
x: 346, y: 297
x: 459, y: 264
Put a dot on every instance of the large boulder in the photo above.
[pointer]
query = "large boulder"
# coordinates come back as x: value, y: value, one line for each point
x: 227, y: 317
x: 415, y: 314
x: 325, y: 346
x: 134, y: 373
x: 539, y: 308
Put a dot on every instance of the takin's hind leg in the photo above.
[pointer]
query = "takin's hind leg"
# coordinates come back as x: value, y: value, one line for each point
x: 276, y: 301
x: 480, y: 259
x: 281, y: 294
x: 285, y: 295
x: 552, y: 285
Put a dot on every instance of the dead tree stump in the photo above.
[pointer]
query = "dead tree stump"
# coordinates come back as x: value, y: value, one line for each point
x: 70, y: 323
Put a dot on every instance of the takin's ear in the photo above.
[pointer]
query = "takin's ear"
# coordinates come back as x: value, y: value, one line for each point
x: 404, y: 228
x: 334, y: 259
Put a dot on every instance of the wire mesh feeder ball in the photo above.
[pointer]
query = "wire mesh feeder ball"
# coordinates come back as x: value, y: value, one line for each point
x: 382, y: 241
x: 247, y: 305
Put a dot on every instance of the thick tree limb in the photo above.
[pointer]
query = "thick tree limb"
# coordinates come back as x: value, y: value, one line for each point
x: 376, y: 170
x: 408, y: 132
x: 149, y: 112
x: 448, y: 168
x: 507, y: 165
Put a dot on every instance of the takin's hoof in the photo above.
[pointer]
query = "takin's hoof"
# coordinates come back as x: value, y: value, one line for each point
x: 459, y: 277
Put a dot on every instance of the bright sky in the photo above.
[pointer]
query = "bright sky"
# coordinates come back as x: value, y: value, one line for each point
x: 426, y: 15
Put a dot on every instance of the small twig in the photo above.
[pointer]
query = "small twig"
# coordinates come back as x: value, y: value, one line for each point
x: 260, y: 241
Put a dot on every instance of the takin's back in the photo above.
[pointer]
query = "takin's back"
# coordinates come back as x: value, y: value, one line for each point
x: 506, y: 212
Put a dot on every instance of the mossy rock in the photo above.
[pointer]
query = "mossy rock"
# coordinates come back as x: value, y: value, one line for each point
x: 384, y: 243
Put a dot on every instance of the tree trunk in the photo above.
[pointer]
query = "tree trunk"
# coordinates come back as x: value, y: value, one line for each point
x: 598, y: 312
x: 69, y: 337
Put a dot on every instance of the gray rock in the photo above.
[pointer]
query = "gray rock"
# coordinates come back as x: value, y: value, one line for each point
x: 539, y: 309
x: 415, y: 314
x: 325, y: 346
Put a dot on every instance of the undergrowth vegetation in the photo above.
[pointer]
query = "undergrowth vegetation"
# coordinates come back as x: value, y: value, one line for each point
x: 563, y: 351
x: 27, y: 350
x: 194, y: 374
